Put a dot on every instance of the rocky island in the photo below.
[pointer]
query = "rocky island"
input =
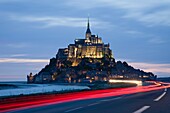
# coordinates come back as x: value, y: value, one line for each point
x: 87, y: 60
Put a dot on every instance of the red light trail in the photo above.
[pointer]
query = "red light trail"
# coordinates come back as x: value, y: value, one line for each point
x: 24, y: 102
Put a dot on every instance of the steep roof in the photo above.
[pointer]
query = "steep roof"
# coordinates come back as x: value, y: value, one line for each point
x: 88, y: 27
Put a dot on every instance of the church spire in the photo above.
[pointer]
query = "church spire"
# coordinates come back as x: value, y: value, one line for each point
x: 88, y: 24
x: 88, y: 32
x: 88, y: 27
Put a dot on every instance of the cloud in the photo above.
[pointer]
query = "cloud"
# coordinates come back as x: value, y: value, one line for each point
x: 21, y: 60
x: 13, y: 55
x: 18, y: 55
x: 157, y: 18
x: 156, y: 41
x: 161, y: 69
x: 17, y: 45
x: 149, y: 12
x: 52, y: 21
x: 9, y: 1
x: 122, y: 59
x: 152, y: 67
x: 133, y: 32
x: 157, y: 68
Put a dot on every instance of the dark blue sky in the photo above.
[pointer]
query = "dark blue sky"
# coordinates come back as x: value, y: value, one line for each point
x: 31, y: 31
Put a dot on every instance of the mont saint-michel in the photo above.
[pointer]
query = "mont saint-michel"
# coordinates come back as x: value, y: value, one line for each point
x: 87, y: 60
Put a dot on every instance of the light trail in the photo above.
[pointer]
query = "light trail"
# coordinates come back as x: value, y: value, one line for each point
x: 25, y: 102
x: 139, y: 83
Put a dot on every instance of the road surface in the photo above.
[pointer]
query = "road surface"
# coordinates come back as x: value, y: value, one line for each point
x: 157, y: 101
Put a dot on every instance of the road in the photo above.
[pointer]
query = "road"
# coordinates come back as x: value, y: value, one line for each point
x: 146, y: 102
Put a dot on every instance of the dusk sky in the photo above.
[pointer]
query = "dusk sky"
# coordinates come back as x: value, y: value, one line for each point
x: 32, y: 31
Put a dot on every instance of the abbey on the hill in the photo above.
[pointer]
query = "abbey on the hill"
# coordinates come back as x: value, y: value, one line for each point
x: 90, y: 47
x: 87, y: 60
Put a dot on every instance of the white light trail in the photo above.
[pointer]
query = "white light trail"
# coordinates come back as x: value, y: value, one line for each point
x: 139, y: 83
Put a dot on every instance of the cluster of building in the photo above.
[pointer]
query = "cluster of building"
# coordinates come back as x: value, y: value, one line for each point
x: 90, y: 53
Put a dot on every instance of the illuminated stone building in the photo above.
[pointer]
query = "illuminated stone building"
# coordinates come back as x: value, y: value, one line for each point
x: 89, y: 47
